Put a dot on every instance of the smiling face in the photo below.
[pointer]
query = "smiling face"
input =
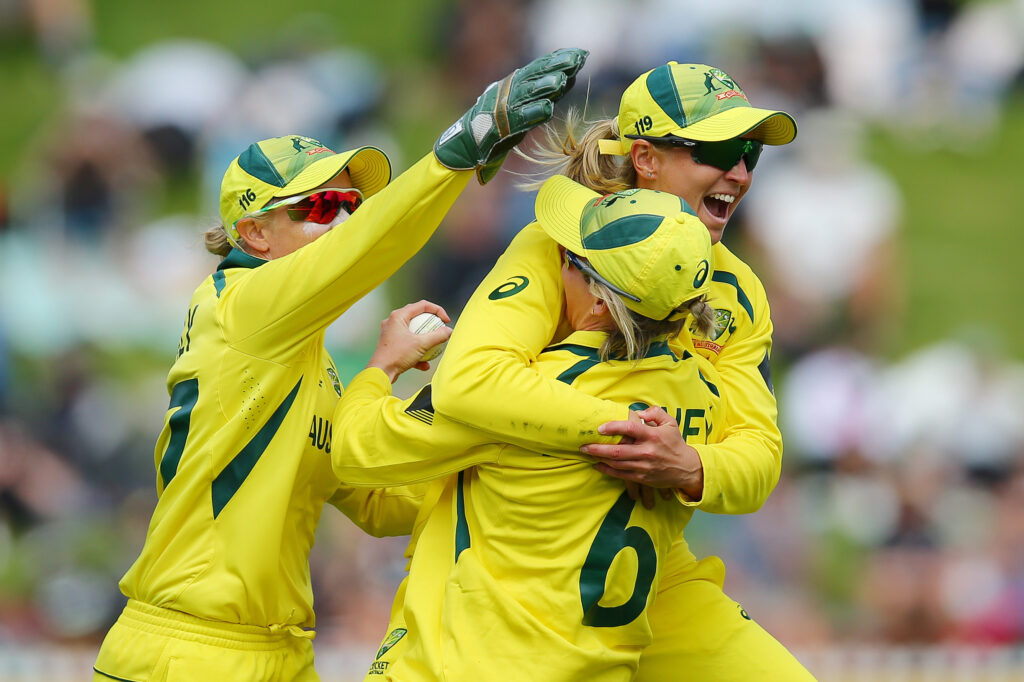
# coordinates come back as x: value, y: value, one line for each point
x: 710, y: 191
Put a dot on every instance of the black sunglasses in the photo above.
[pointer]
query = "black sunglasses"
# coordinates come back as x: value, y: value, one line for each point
x: 722, y: 155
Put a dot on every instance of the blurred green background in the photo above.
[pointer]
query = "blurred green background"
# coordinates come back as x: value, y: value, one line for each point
x: 961, y: 237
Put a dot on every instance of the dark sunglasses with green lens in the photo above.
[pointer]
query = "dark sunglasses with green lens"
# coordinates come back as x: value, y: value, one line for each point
x: 722, y: 155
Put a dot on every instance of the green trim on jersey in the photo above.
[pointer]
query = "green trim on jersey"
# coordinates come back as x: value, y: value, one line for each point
x: 240, y: 259
x: 714, y: 389
x: 765, y: 369
x: 219, y: 281
x: 741, y: 296
x: 462, y: 539
x: 184, y: 396
x: 234, y: 474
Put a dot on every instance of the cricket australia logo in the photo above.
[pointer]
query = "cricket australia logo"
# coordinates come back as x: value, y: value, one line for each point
x: 723, y: 322
x: 334, y: 380
x: 721, y: 84
x: 392, y: 640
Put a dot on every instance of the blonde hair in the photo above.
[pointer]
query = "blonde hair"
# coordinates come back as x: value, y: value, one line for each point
x: 634, y: 333
x: 216, y: 241
x: 216, y: 238
x: 571, y: 149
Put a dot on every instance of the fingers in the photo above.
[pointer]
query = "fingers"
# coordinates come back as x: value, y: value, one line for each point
x: 656, y: 416
x: 432, y: 338
x: 567, y: 59
x: 545, y: 85
x: 411, y: 310
x: 647, y: 497
x: 531, y: 114
x: 622, y: 428
x: 640, y: 493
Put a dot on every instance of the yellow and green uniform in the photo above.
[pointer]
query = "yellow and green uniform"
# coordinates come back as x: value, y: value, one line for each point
x: 243, y: 460
x: 522, y: 568
x: 485, y: 380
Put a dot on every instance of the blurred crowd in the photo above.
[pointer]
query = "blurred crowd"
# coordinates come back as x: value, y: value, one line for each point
x: 900, y: 515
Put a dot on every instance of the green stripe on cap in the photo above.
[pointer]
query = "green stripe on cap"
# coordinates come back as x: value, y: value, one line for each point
x: 628, y: 230
x: 662, y: 87
x: 254, y: 162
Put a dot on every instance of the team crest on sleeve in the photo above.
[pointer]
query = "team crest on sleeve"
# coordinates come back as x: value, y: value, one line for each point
x: 335, y: 381
x: 392, y: 640
x: 723, y: 325
x: 723, y: 322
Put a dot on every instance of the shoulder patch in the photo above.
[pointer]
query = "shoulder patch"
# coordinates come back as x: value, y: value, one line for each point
x: 392, y: 640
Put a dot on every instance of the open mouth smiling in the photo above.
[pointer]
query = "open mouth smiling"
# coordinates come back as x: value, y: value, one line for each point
x: 718, y: 204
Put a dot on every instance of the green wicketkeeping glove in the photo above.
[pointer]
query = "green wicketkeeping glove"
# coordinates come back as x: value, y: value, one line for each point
x: 506, y: 111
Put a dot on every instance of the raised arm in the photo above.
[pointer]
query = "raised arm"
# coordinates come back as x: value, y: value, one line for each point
x: 484, y: 378
x: 300, y: 294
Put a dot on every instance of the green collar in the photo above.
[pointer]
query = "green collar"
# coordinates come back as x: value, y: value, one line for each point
x: 240, y: 259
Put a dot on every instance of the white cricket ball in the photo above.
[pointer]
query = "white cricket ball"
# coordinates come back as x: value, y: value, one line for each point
x: 423, y: 324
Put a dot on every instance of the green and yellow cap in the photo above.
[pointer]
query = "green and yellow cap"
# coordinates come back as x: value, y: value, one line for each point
x: 289, y: 165
x: 647, y: 243
x: 697, y: 102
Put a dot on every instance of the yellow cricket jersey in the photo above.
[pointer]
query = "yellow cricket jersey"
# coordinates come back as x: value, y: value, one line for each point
x: 521, y: 568
x: 243, y: 461
x: 484, y: 379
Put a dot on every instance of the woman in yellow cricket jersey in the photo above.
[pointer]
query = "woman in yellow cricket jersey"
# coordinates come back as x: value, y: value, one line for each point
x: 221, y: 589
x: 687, y: 129
x: 517, y: 573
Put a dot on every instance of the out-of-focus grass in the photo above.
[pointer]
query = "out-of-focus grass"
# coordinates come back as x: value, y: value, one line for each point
x: 400, y: 38
x: 963, y: 241
x: 961, y: 235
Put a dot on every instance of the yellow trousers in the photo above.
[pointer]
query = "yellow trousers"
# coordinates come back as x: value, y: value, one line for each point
x: 151, y: 644
x: 701, y: 634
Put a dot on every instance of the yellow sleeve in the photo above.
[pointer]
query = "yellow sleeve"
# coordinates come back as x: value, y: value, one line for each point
x: 380, y: 512
x: 287, y: 300
x: 383, y: 441
x: 484, y: 378
x: 741, y: 470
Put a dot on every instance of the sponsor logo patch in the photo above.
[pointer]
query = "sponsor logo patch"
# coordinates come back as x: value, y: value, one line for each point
x: 729, y: 94
x: 510, y: 288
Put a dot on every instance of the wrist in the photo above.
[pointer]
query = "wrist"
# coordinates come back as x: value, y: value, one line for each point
x: 691, y: 480
x: 389, y: 369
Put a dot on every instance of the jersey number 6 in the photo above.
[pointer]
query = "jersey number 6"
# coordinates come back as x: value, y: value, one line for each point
x: 612, y: 537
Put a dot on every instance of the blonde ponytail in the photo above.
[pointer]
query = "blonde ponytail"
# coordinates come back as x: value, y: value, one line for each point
x: 216, y: 241
x: 565, y: 150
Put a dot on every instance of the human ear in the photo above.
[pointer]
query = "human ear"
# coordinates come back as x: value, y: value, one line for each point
x: 644, y: 158
x: 254, y: 236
